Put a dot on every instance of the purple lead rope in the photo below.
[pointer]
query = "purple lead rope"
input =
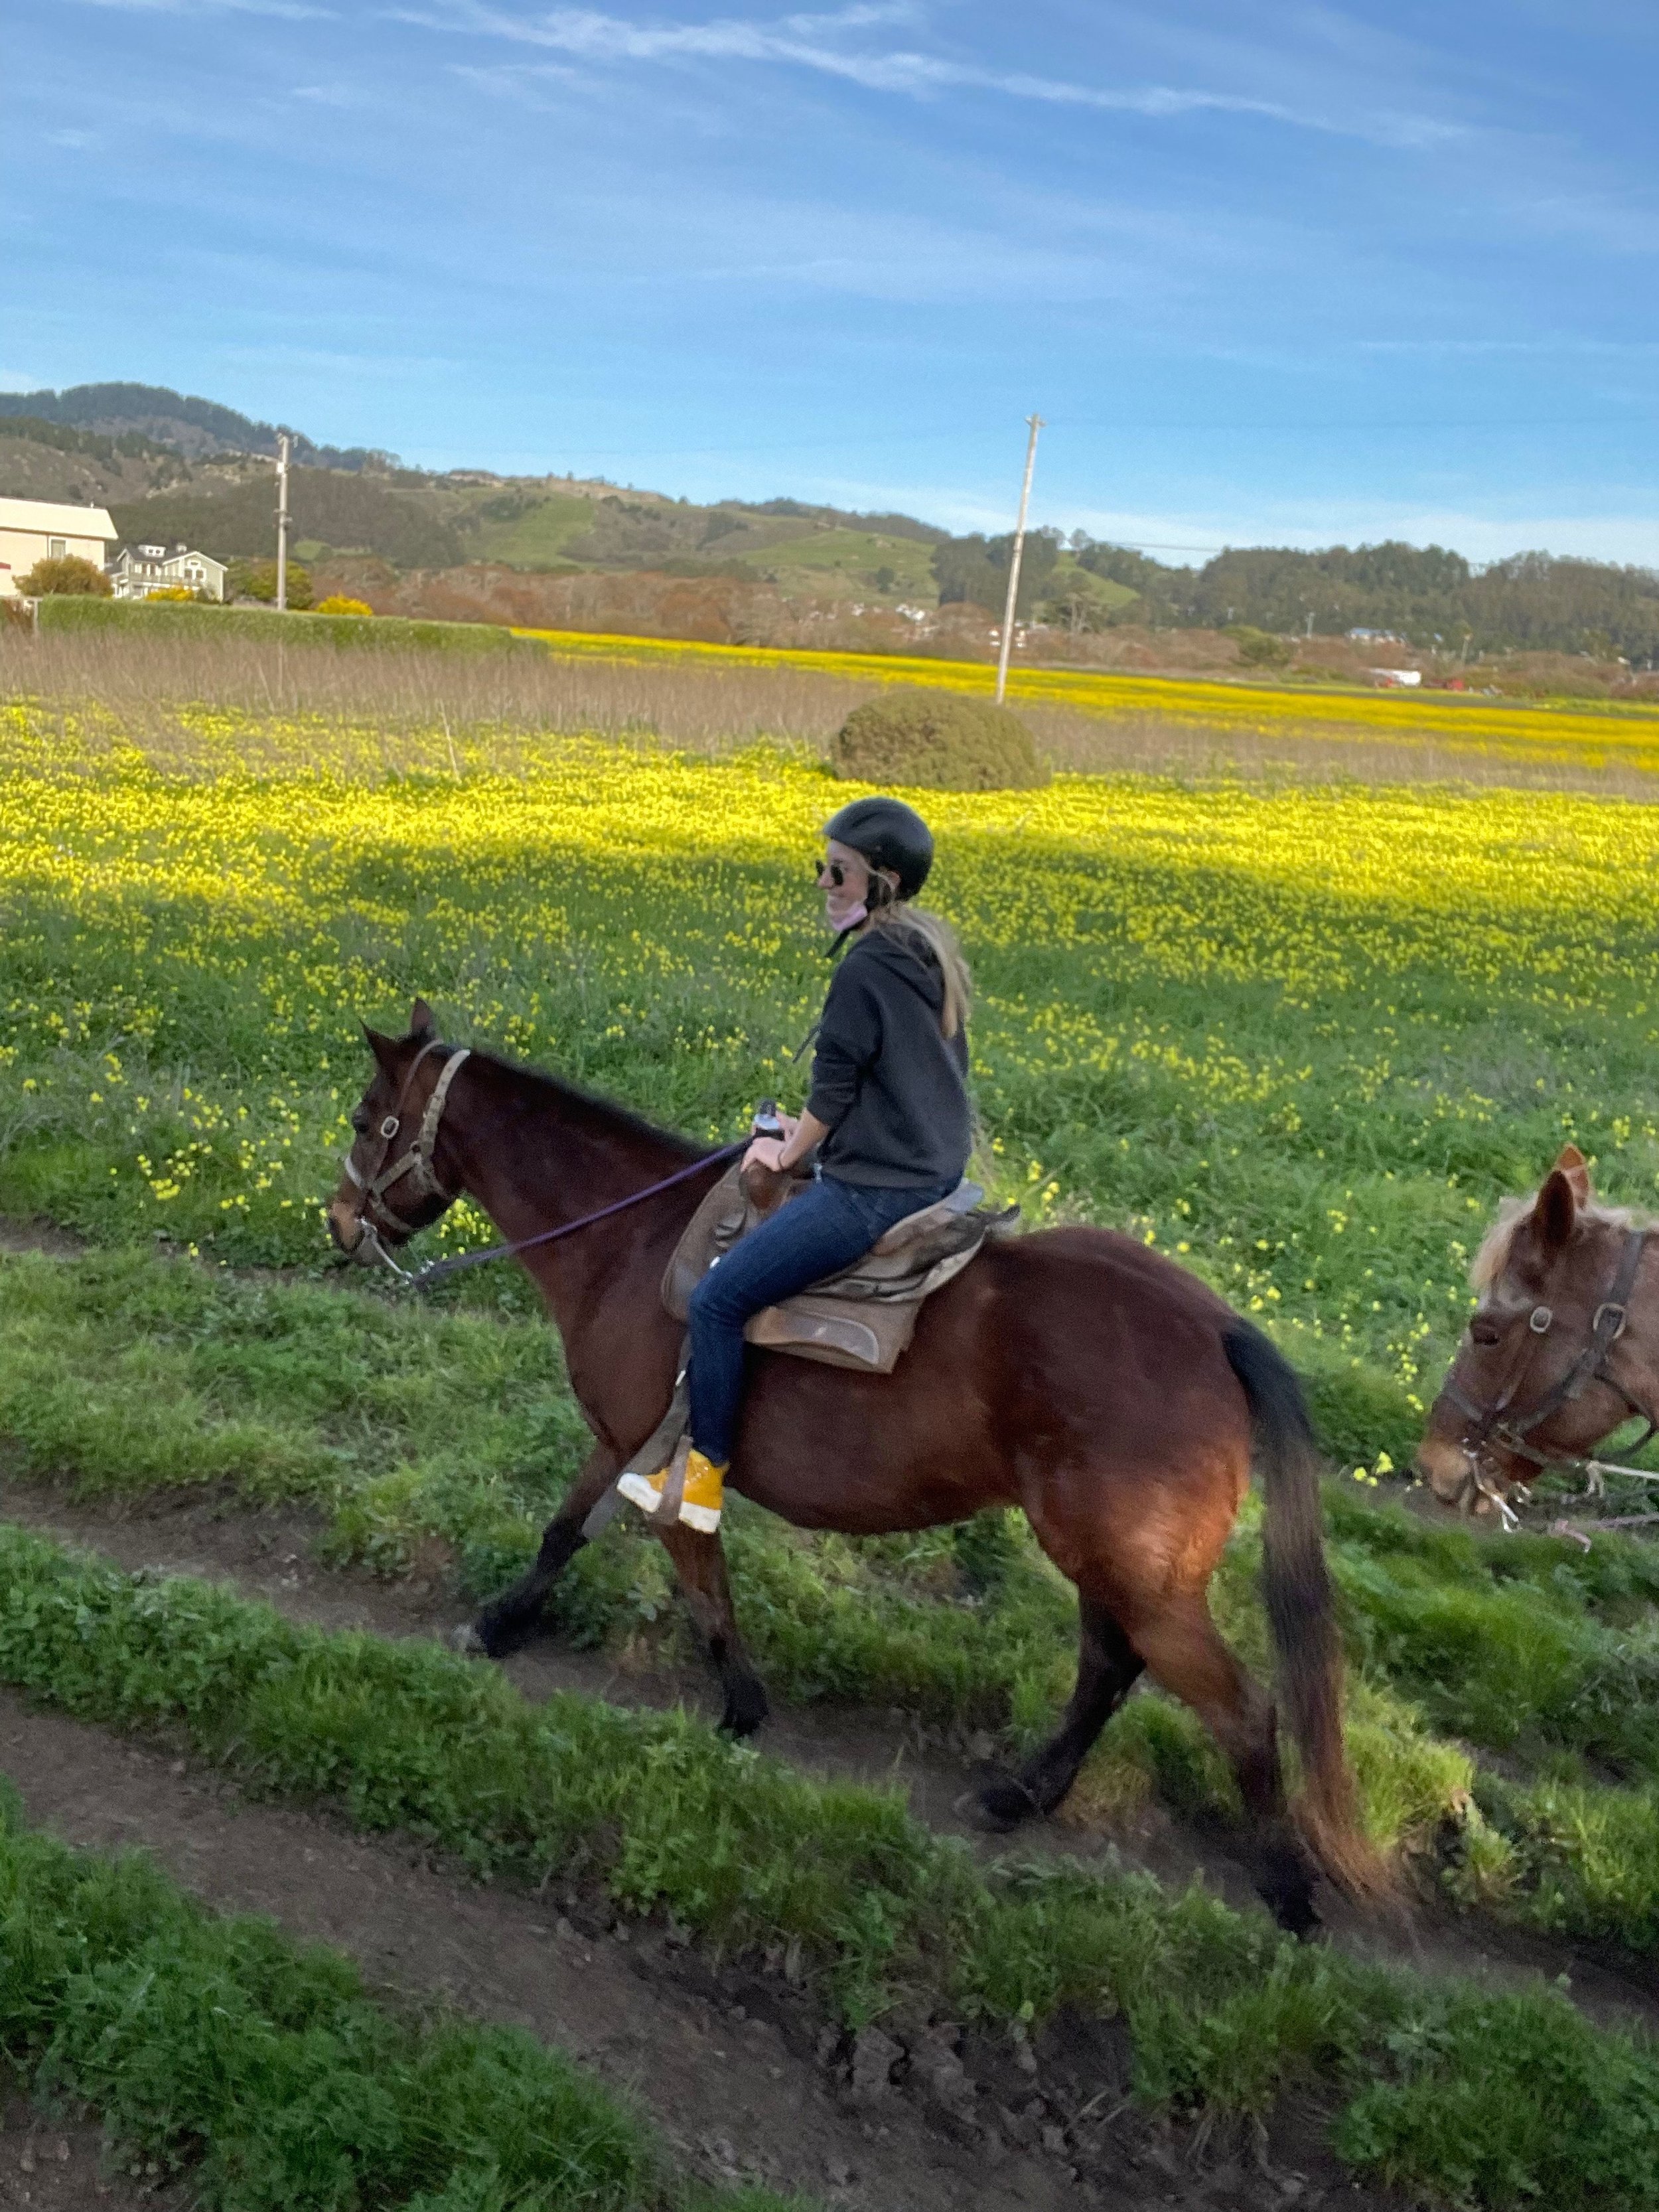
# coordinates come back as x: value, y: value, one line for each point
x: 434, y: 1270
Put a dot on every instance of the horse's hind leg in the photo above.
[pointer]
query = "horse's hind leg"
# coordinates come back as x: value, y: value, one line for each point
x: 1107, y: 1667
x: 699, y: 1563
x: 511, y: 1619
x: 1184, y: 1651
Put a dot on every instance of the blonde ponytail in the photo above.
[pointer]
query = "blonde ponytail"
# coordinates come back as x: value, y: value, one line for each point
x: 932, y: 932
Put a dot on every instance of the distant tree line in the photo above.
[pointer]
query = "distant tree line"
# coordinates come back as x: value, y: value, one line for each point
x: 161, y: 410
x: 1426, y: 594
x: 974, y: 571
x: 59, y: 438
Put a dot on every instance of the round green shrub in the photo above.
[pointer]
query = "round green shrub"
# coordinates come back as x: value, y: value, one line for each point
x: 937, y: 739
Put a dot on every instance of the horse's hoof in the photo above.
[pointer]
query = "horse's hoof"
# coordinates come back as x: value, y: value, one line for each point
x: 744, y: 1715
x: 1293, y: 1909
x: 999, y: 1806
x: 466, y: 1640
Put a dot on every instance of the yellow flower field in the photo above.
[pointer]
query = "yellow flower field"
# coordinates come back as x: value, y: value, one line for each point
x: 1303, y: 1038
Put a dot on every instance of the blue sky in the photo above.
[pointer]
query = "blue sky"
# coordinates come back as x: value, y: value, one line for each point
x: 1272, y: 272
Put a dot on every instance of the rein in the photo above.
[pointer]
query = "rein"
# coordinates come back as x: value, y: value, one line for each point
x: 434, y: 1270
x: 416, y: 1161
x: 1495, y: 1425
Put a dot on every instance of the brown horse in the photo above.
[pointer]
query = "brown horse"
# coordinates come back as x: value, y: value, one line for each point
x: 1562, y: 1349
x: 1073, y: 1373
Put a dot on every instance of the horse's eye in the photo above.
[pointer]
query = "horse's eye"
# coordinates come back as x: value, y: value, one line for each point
x: 1484, y: 1331
x: 359, y: 1120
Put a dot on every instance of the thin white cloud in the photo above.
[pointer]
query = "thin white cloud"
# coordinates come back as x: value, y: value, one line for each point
x: 18, y: 380
x: 515, y: 80
x: 802, y: 41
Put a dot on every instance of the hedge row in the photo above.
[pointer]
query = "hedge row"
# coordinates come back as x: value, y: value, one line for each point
x: 264, y: 626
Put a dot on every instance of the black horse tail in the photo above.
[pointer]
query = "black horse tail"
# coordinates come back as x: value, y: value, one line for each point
x: 1302, y: 1612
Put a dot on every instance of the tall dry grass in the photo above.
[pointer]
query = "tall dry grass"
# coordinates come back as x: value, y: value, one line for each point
x: 367, y: 713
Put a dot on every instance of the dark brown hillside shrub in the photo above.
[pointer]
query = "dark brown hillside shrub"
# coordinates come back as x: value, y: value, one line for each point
x: 937, y: 739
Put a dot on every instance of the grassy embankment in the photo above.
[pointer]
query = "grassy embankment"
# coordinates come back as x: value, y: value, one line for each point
x: 1445, y: 2090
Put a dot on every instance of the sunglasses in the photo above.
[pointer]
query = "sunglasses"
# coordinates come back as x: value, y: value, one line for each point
x: 833, y: 869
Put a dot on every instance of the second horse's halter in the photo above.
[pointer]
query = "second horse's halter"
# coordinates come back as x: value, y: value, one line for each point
x: 1497, y: 1425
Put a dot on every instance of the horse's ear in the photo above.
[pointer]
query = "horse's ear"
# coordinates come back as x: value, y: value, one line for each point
x: 422, y: 1027
x: 1573, y: 1164
x: 1553, y: 1215
x: 385, y: 1048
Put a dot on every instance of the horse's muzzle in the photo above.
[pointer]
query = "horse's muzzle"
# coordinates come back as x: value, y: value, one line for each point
x: 346, y: 1228
x: 1447, y: 1468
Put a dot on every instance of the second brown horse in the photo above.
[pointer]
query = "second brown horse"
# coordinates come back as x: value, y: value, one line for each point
x: 1072, y: 1372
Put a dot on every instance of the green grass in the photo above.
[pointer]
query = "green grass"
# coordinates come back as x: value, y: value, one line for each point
x: 259, y: 2072
x: 1221, y: 2011
x: 1300, y: 1041
x: 524, y: 529
x: 855, y: 555
x: 412, y: 1427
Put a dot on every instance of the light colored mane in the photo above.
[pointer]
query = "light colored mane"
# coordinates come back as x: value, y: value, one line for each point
x: 1494, y: 1256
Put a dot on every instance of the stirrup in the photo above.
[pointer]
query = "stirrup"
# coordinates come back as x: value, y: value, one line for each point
x: 690, y: 1490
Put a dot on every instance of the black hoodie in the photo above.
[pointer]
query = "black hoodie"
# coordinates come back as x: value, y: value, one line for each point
x: 889, y: 1088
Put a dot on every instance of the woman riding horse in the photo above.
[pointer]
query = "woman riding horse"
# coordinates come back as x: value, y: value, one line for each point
x: 887, y: 1117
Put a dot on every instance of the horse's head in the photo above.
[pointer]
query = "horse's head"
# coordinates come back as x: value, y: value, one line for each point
x: 1530, y: 1383
x: 387, y: 1192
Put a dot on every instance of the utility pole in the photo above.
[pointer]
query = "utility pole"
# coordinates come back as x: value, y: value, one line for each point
x: 1035, y: 422
x: 282, y: 521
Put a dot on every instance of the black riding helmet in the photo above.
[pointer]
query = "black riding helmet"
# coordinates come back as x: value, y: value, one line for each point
x: 889, y: 835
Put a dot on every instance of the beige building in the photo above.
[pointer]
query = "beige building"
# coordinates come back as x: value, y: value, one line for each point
x: 33, y: 530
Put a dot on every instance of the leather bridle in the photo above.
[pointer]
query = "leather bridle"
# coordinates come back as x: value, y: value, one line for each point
x: 414, y: 1164
x: 1497, y: 1425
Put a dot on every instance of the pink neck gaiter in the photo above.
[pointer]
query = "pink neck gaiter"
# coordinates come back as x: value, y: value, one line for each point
x: 842, y: 910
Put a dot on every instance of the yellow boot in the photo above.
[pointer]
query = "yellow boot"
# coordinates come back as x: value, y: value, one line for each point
x: 701, y: 1500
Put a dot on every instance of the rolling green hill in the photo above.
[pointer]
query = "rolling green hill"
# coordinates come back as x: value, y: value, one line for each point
x: 345, y: 512
x: 171, y: 466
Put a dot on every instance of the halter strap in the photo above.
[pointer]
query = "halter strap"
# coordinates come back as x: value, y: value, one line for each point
x: 1611, y: 1319
x: 418, y: 1159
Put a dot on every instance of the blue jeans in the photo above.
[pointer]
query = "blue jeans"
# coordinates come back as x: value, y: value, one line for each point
x: 818, y: 1234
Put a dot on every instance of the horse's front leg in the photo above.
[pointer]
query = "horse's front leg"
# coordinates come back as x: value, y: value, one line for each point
x: 699, y: 1563
x: 511, y: 1619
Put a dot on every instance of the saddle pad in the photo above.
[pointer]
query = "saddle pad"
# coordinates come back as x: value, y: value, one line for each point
x: 864, y: 1316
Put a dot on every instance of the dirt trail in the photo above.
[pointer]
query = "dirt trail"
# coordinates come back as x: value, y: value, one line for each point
x: 735, y: 2067
x: 50, y: 2165
x: 268, y: 1554
x: 732, y: 2091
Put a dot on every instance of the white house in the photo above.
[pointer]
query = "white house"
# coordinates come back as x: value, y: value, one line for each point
x: 33, y: 530
x: 138, y: 570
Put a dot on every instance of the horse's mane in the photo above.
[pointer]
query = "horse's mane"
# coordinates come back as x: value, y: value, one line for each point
x: 1494, y: 1256
x: 591, y: 1105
